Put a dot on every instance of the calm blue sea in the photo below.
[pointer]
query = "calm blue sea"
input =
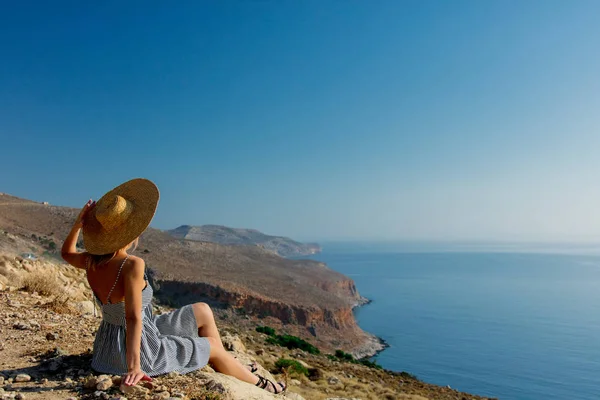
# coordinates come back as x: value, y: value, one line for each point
x: 512, y: 326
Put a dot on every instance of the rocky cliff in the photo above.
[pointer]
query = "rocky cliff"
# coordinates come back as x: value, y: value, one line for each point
x: 282, y: 246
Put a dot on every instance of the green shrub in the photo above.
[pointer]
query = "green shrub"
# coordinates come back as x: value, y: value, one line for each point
x: 289, y: 341
x: 293, y: 342
x: 344, y: 356
x: 293, y: 366
x: 340, y: 355
x: 266, y: 330
x: 406, y: 375
x: 370, y: 364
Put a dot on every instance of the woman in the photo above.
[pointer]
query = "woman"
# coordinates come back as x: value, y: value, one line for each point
x: 131, y: 341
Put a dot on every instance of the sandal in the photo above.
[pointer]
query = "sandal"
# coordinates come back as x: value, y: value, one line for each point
x: 253, y: 367
x: 263, y: 383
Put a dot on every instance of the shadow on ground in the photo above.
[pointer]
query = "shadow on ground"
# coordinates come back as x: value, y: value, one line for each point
x: 54, y: 366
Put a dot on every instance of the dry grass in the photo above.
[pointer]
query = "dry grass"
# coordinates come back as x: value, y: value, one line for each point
x: 61, y: 303
x: 45, y: 283
x: 7, y: 273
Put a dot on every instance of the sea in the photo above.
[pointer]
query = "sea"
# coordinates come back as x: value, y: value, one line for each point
x: 505, y: 322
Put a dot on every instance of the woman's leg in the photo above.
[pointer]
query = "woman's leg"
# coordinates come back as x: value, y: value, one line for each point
x: 225, y: 363
x: 207, y: 327
x: 205, y: 320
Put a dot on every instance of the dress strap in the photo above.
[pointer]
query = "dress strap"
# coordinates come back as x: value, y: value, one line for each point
x: 116, y: 280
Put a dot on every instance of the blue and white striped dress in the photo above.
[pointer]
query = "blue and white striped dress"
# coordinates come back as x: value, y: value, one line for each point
x: 170, y: 342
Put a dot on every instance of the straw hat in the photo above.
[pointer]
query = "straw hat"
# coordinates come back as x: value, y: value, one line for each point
x: 120, y: 216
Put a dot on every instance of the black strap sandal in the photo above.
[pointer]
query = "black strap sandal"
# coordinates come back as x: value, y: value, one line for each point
x: 253, y: 367
x: 263, y: 383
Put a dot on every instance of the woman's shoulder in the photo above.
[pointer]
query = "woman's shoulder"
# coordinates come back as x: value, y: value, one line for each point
x: 135, y: 259
x: 134, y: 265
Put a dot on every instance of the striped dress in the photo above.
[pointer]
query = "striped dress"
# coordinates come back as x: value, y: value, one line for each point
x: 170, y: 342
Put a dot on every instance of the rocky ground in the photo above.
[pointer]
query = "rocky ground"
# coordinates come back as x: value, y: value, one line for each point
x: 47, y: 327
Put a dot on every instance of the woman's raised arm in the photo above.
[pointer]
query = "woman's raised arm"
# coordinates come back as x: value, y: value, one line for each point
x: 69, y: 248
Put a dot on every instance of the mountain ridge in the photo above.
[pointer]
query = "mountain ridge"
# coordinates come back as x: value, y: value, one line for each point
x: 281, y: 245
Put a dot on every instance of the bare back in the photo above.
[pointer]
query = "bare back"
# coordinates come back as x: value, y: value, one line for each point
x: 110, y: 276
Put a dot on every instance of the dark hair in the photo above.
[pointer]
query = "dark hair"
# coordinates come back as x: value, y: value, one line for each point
x: 97, y: 260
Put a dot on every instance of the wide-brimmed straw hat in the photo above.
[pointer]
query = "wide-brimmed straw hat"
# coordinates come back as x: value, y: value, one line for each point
x: 120, y: 216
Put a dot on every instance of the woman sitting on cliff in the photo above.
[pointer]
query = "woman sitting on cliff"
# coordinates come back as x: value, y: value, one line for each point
x: 131, y: 341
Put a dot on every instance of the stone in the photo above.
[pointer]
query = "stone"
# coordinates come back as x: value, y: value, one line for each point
x: 305, y: 365
x: 90, y: 382
x: 133, y: 390
x: 44, y: 381
x: 22, y: 378
x: 85, y: 307
x: 231, y: 388
x: 104, y: 384
x: 22, y: 326
x: 54, y: 365
x: 293, y: 396
x: 1, y: 380
x: 161, y: 396
x: 341, y: 398
x: 19, y: 396
x: 295, y: 382
x: 34, y: 324
x: 314, y: 374
x: 51, y: 336
x: 215, y: 386
x: 233, y: 343
x: 333, y: 380
x: 57, y: 352
x: 207, y: 368
x: 148, y: 385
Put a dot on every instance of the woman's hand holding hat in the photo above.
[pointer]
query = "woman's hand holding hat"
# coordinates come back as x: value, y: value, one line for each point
x: 82, y: 214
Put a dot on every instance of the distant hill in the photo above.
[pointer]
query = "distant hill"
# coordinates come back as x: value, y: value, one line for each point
x: 283, y: 246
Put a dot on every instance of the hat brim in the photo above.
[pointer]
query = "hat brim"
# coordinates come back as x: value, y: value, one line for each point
x: 143, y: 196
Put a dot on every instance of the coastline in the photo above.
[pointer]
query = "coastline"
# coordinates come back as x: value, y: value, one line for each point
x: 374, y: 344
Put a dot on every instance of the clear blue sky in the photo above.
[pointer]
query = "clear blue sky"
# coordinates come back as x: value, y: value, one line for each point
x: 453, y: 120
